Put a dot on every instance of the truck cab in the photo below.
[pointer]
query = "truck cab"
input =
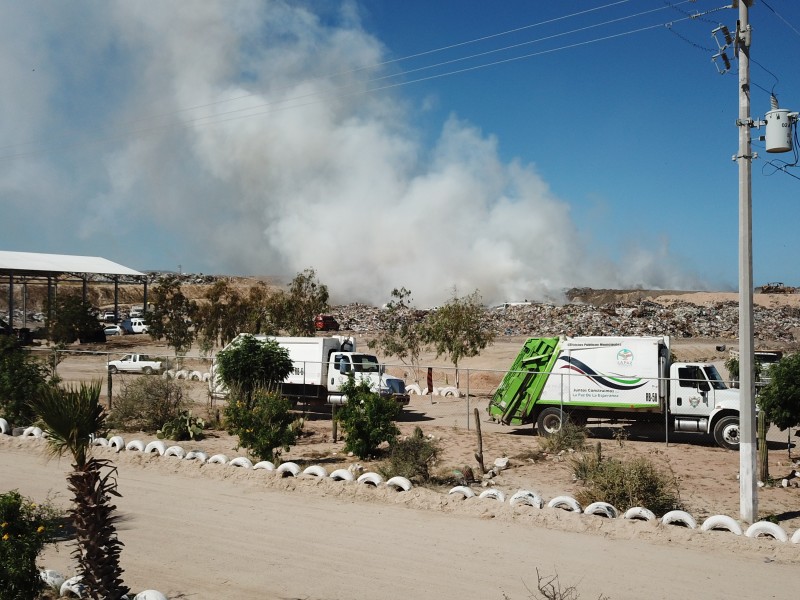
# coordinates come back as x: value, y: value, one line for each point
x: 363, y: 367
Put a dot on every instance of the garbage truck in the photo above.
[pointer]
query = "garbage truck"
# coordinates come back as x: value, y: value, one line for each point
x: 321, y: 366
x: 622, y: 379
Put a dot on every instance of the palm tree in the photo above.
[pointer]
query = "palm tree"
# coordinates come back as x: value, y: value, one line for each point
x: 71, y: 416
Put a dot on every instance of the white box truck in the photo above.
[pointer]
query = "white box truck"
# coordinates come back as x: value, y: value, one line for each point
x: 322, y: 365
x: 618, y: 378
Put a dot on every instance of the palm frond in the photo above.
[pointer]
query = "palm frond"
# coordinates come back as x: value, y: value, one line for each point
x: 71, y: 416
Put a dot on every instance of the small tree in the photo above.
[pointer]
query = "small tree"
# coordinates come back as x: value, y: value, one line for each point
x: 294, y: 311
x: 401, y: 331
x: 21, y: 379
x: 74, y: 320
x: 457, y: 329
x: 780, y: 398
x: 251, y: 364
x: 266, y: 428
x: 71, y: 416
x: 171, y: 316
x: 367, y: 418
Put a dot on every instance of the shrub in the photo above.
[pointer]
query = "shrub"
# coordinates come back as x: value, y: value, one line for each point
x: 183, y: 427
x: 25, y: 528
x: 21, y: 378
x: 569, y: 437
x: 266, y: 427
x: 367, y: 419
x: 147, y: 404
x: 625, y: 483
x: 412, y: 457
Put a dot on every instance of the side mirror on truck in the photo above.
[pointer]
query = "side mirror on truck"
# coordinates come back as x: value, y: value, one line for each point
x: 703, y: 386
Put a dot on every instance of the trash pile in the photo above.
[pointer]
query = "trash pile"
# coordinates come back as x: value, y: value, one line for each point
x: 679, y: 319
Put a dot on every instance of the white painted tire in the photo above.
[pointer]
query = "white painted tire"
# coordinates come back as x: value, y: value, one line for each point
x: 413, y: 389
x: 264, y: 464
x: 182, y: 374
x: 604, y: 509
x: 526, y: 498
x: 315, y: 471
x: 640, y: 513
x: 565, y: 502
x: 169, y: 374
x: 399, y: 483
x: 370, y: 478
x: 342, y: 475
x: 494, y: 494
x: 34, y: 432
x: 156, y: 446
x: 5, y: 428
x: 150, y: 595
x: 721, y: 522
x: 450, y: 391
x: 679, y: 516
x: 195, y: 376
x: 101, y: 441
x: 74, y: 586
x: 116, y: 443
x: 175, y: 451
x: 796, y: 537
x: 52, y: 579
x: 196, y: 455
x: 135, y: 446
x: 241, y: 461
x: 218, y: 459
x: 206, y: 377
x: 766, y: 528
x: 463, y: 490
x: 288, y: 468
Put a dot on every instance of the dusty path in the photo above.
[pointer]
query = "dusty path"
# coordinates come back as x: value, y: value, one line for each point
x: 219, y: 532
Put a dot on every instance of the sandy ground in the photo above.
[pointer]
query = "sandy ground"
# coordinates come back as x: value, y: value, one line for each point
x: 213, y: 531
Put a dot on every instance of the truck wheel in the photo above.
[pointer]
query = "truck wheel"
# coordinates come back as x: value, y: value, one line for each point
x: 112, y: 369
x: 726, y: 433
x: 147, y: 370
x: 549, y: 421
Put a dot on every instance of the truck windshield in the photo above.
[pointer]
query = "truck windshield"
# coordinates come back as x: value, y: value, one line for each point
x: 714, y: 378
x: 365, y: 363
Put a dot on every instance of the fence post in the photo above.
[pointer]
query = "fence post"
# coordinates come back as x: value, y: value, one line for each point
x: 109, y: 388
x: 468, y: 400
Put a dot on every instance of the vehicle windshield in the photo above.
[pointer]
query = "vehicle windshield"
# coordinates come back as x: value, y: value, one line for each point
x: 365, y: 363
x: 714, y: 377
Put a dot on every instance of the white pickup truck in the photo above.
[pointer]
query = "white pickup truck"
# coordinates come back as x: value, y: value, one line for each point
x: 135, y: 363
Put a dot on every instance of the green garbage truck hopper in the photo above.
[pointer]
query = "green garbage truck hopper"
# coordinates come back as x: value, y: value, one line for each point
x: 514, y: 400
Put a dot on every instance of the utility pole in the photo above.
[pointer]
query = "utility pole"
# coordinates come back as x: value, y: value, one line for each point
x: 748, y: 489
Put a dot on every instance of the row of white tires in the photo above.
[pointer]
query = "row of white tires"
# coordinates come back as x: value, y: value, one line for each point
x: 604, y: 509
x: 437, y: 391
x: 186, y: 374
x: 287, y: 469
x: 67, y: 587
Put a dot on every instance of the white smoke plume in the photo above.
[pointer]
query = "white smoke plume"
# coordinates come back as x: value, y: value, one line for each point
x: 300, y: 171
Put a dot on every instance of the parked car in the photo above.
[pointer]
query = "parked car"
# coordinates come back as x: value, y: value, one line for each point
x: 107, y: 316
x: 112, y: 330
x: 135, y: 326
x: 325, y: 323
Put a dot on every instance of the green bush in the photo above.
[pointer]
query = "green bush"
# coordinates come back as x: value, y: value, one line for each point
x: 367, y: 419
x: 626, y: 483
x: 569, y: 437
x: 412, y: 457
x: 266, y: 427
x: 183, y: 427
x: 21, y: 378
x: 25, y: 528
x: 147, y: 404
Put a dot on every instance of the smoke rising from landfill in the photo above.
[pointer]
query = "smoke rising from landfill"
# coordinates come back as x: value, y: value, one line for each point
x: 302, y: 170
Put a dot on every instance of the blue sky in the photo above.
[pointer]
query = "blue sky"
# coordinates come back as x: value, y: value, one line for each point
x: 250, y: 138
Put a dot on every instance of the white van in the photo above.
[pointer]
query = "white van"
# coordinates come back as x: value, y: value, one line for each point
x: 135, y: 325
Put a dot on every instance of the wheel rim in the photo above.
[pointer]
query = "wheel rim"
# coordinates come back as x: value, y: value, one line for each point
x: 731, y: 434
x: 552, y: 423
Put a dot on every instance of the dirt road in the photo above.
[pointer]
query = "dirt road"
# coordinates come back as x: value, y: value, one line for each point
x: 216, y: 532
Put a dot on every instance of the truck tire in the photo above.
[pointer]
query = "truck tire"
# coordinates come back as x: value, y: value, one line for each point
x: 549, y: 421
x: 726, y: 432
x: 147, y: 370
x: 112, y: 369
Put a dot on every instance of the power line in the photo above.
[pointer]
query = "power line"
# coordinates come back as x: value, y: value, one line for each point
x: 789, y: 25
